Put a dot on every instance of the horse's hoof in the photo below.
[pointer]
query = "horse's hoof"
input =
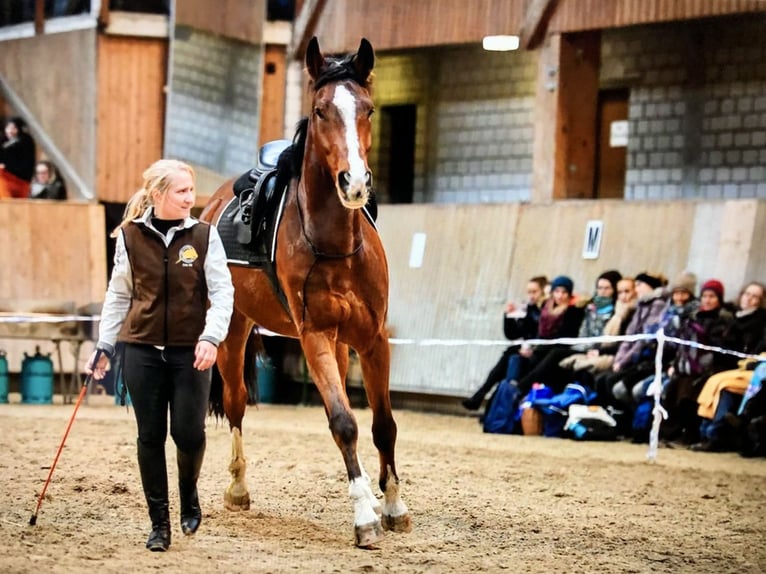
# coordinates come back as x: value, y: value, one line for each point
x: 369, y: 534
x: 401, y: 523
x: 236, y: 502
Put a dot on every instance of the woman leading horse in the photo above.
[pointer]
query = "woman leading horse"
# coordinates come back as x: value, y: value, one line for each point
x: 331, y: 266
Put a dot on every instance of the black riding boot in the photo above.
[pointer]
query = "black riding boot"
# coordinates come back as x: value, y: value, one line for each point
x: 154, y: 477
x: 189, y: 464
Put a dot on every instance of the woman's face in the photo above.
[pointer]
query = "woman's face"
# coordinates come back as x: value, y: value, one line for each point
x: 42, y: 174
x: 177, y: 201
x: 751, y: 297
x: 11, y: 131
x: 604, y: 288
x: 534, y: 293
x: 643, y: 288
x: 626, y: 291
x: 680, y: 297
x: 709, y: 300
x: 560, y: 296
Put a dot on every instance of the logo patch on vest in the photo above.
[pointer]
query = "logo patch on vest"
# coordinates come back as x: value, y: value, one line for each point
x: 187, y: 255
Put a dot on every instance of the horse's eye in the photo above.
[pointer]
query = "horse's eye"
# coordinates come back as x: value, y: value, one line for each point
x: 319, y: 113
x: 369, y: 113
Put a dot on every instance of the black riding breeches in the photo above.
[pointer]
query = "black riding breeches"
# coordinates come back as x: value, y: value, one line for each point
x: 158, y: 379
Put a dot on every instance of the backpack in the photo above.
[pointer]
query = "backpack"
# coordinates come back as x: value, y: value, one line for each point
x: 556, y: 409
x: 501, y: 414
x: 643, y: 417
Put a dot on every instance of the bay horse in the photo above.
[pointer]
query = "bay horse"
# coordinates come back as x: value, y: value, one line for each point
x: 332, y: 268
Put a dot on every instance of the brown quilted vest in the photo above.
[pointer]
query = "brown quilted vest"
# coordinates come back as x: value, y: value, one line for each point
x: 169, y: 300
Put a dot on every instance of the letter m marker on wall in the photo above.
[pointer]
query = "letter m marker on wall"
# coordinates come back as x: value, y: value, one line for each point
x: 594, y: 230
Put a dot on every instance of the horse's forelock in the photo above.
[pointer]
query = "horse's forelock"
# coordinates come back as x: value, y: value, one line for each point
x: 339, y: 70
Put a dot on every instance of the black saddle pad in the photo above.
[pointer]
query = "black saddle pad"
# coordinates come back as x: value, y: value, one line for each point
x: 236, y: 252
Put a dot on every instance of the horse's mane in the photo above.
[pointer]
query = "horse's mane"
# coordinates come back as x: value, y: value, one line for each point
x: 290, y: 160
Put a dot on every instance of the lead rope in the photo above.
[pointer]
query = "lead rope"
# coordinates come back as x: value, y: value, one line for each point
x: 318, y: 255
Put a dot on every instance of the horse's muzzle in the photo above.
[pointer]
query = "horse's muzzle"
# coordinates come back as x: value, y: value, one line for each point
x: 354, y: 192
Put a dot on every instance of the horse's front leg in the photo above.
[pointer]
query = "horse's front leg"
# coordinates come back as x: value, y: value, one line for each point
x: 230, y: 363
x: 320, y: 351
x: 376, y: 364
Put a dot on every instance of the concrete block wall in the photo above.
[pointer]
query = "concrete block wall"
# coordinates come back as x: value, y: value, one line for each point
x: 474, y: 126
x: 214, y: 110
x: 401, y: 79
x: 483, y: 127
x: 697, y: 114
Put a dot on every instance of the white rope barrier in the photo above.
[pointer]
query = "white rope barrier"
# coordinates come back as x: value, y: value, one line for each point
x: 655, y: 388
x: 44, y: 318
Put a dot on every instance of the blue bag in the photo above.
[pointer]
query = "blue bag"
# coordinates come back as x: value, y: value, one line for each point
x: 500, y: 417
x: 556, y: 409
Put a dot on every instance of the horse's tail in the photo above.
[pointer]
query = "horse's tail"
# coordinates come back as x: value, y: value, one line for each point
x: 215, y: 401
x: 252, y: 347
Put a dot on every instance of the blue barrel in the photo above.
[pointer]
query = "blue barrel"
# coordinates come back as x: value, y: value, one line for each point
x: 266, y: 386
x: 3, y: 378
x: 37, y: 379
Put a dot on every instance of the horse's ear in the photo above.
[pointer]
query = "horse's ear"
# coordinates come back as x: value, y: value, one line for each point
x: 364, y: 60
x: 314, y: 58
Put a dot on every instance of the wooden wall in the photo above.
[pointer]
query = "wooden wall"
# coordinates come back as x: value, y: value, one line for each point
x: 238, y: 19
x: 54, y: 75
x: 397, y: 24
x: 131, y: 112
x: 52, y: 250
x: 477, y: 257
x: 575, y: 15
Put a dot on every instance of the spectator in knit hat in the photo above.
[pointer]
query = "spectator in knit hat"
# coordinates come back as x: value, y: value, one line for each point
x: 560, y: 317
x: 722, y: 393
x: 634, y: 360
x: 707, y: 323
x: 682, y: 290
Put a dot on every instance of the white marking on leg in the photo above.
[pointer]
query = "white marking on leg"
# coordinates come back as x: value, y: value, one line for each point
x: 346, y: 104
x: 393, y: 506
x: 366, y: 477
x: 360, y: 493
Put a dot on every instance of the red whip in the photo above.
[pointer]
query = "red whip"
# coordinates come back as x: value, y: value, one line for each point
x: 83, y: 390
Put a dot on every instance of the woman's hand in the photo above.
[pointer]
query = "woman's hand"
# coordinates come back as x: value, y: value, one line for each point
x: 99, y: 370
x: 205, y: 355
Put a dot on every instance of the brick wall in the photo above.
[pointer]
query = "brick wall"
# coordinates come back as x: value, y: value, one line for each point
x: 474, y: 122
x: 213, y: 114
x: 697, y: 115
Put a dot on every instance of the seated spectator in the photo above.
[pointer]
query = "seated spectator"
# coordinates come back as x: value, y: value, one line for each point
x: 599, y: 359
x: 707, y: 323
x: 518, y: 323
x: 46, y: 183
x: 634, y: 360
x: 17, y: 159
x: 560, y: 317
x: 722, y: 393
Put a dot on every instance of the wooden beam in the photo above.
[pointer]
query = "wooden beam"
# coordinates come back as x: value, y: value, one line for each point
x: 537, y: 14
x: 305, y: 25
x: 39, y: 17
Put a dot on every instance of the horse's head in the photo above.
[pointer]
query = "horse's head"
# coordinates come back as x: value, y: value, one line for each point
x: 339, y: 123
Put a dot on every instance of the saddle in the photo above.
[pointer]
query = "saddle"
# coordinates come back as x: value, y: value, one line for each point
x: 257, y: 194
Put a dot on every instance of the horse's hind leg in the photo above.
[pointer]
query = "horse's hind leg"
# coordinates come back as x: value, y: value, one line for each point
x: 320, y: 351
x: 376, y: 363
x: 231, y: 365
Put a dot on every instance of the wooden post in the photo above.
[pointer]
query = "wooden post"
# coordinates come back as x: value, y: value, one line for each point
x: 39, y: 17
x: 565, y: 117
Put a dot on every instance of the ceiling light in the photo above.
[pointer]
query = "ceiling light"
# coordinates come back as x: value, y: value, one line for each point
x: 500, y: 43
